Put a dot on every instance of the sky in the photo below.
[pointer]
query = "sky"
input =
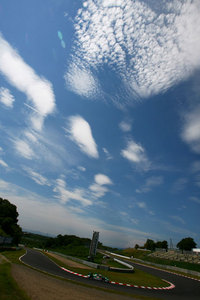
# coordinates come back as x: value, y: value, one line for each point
x: 100, y: 117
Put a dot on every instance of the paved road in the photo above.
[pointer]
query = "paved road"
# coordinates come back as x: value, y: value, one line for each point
x: 185, y: 288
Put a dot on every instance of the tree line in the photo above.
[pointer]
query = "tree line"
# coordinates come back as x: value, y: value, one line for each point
x: 186, y: 244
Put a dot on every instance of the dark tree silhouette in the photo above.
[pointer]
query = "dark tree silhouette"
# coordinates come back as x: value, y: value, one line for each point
x: 186, y: 244
x: 150, y: 245
x: 8, y: 221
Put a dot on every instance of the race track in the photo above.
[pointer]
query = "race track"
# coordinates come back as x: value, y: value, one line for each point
x: 185, y: 288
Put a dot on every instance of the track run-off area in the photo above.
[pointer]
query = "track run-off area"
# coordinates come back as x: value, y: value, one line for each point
x: 181, y: 287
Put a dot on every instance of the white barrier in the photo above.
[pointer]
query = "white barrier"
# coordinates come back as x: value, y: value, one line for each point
x: 124, y: 264
x: 122, y: 256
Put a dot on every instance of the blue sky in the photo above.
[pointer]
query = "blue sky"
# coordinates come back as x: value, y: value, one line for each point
x: 100, y: 117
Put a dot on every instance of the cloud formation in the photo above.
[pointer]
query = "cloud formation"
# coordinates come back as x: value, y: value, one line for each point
x: 125, y: 126
x: 81, y: 133
x: 150, y: 183
x: 191, y: 129
x: 99, y: 188
x: 107, y: 153
x: 65, y: 195
x: 3, y: 163
x: 81, y: 81
x: 150, y: 48
x: 38, y: 178
x: 23, y: 149
x: 102, y: 179
x: 178, y: 219
x: 6, y: 97
x: 136, y: 154
x: 37, y: 89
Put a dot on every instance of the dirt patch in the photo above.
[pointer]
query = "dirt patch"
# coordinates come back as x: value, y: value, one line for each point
x: 69, y: 262
x: 40, y: 286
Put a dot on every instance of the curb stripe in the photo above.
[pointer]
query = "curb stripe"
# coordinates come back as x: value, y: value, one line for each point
x: 171, y: 285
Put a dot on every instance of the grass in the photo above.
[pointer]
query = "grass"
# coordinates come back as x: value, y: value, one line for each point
x: 8, y: 287
x: 179, y: 264
x: 13, y: 256
x: 138, y: 277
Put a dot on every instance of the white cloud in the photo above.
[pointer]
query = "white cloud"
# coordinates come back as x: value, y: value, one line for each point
x: 136, y: 154
x: 3, y: 163
x: 37, y: 89
x: 125, y: 126
x: 107, y: 153
x: 38, y: 178
x: 82, y: 169
x: 191, y: 129
x: 65, y: 195
x: 81, y: 81
x: 102, y: 179
x: 178, y: 219
x: 195, y: 199
x: 98, y: 188
x: 151, y: 49
x: 141, y: 204
x: 6, y: 97
x: 31, y: 136
x: 150, y: 183
x: 80, y: 132
x: 23, y: 148
x: 134, y: 221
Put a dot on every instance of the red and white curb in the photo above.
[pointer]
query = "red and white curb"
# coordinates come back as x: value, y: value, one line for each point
x: 171, y: 285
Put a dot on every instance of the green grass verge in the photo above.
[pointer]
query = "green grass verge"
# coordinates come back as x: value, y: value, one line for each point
x: 138, y: 277
x: 9, y: 289
x: 13, y: 256
x: 174, y: 263
x: 115, y: 264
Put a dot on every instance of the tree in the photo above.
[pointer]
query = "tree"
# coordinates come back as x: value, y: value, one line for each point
x: 186, y: 244
x: 162, y: 245
x: 9, y: 219
x: 136, y: 246
x: 150, y: 245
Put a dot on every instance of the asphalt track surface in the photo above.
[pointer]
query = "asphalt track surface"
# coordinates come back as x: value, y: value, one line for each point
x: 185, y: 288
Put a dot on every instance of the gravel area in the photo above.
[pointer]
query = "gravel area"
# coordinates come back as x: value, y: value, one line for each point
x: 40, y: 286
x: 69, y: 262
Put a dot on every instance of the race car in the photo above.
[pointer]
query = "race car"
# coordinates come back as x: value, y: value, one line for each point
x: 97, y: 276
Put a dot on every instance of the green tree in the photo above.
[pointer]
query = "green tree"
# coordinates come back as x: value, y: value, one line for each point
x: 150, y: 245
x: 162, y: 245
x: 136, y: 246
x: 9, y: 219
x: 186, y: 244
